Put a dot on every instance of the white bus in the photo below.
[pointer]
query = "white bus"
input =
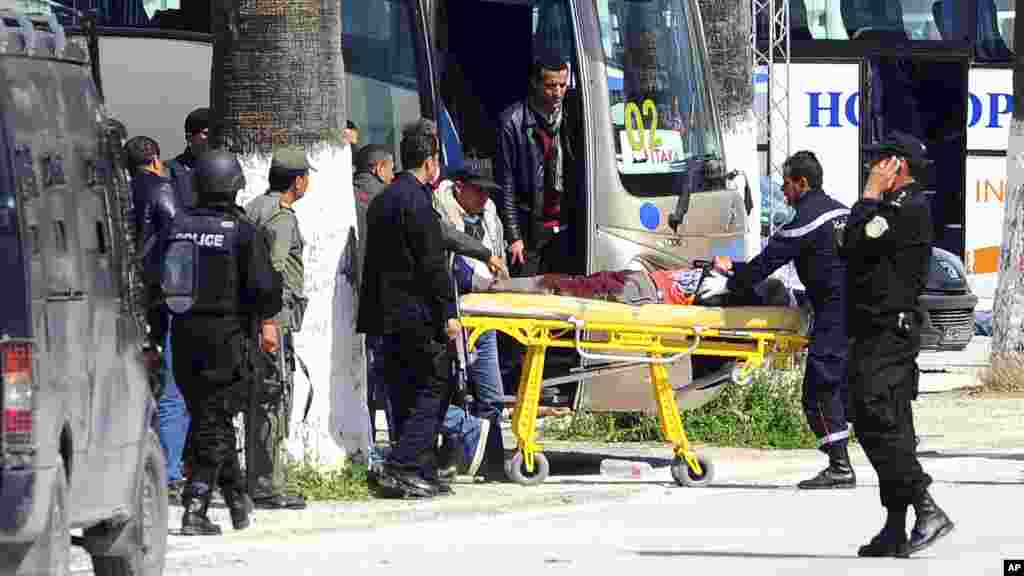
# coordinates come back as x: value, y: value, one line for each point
x: 939, y: 70
x: 638, y: 73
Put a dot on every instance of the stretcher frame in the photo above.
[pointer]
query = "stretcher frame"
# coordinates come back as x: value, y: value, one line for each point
x: 660, y: 346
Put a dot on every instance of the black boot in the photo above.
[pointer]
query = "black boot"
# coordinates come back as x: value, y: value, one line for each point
x: 194, y: 521
x: 447, y: 461
x: 891, y: 542
x: 930, y: 523
x: 240, y: 506
x: 839, y: 473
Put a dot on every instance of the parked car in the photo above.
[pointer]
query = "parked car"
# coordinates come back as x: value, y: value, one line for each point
x: 947, y: 303
x: 76, y: 448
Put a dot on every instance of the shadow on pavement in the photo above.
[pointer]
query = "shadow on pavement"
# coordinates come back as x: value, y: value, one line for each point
x: 989, y: 456
x: 740, y: 554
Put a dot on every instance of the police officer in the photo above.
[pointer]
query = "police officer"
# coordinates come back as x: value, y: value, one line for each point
x: 887, y: 246
x: 289, y: 180
x: 809, y: 239
x: 218, y: 282
x: 197, y: 134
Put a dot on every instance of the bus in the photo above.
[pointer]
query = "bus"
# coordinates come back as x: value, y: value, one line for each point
x: 639, y: 85
x: 937, y: 69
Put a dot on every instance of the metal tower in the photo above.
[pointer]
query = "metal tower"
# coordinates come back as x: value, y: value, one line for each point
x: 769, y: 42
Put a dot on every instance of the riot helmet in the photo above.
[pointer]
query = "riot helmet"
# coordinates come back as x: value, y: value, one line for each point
x: 218, y: 177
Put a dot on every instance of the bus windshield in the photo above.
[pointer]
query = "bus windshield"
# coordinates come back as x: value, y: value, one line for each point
x: 660, y: 107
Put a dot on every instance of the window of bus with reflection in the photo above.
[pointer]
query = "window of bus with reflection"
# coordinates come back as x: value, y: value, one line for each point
x: 657, y: 77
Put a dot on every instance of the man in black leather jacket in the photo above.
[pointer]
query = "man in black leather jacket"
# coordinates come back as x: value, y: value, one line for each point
x: 533, y: 168
x: 197, y: 132
x: 155, y: 204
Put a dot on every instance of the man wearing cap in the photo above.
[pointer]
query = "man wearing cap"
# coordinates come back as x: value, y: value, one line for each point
x: 289, y: 179
x: 197, y: 133
x: 887, y: 245
x: 467, y: 206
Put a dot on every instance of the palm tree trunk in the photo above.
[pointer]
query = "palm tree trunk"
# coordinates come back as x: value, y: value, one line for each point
x: 278, y: 79
x: 1008, y: 308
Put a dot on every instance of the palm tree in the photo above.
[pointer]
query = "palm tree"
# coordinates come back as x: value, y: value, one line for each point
x: 1008, y: 308
x: 278, y: 79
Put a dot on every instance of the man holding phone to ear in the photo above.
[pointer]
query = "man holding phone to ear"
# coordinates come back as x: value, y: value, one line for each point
x: 887, y: 247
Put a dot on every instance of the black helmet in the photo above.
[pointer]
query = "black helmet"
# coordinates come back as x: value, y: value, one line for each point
x: 218, y: 176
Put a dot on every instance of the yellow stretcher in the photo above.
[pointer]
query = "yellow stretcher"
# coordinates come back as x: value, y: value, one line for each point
x: 662, y: 333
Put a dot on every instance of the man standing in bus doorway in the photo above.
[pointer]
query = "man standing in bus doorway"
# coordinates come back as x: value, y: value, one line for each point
x: 534, y: 171
x: 810, y: 240
x: 887, y: 246
x: 289, y: 179
x: 197, y: 131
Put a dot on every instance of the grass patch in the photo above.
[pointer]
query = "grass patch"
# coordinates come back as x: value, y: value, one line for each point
x: 766, y: 413
x: 323, y: 483
x: 1005, y: 375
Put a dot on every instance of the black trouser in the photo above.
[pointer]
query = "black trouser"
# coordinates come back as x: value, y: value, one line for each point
x: 415, y: 371
x: 207, y: 361
x: 883, y: 381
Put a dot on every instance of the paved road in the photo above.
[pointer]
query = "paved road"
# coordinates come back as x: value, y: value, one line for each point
x: 752, y: 521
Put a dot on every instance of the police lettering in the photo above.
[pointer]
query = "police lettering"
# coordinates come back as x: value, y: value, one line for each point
x: 204, y: 239
x: 829, y: 109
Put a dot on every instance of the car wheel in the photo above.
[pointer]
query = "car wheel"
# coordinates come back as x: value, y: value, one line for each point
x: 149, y: 524
x: 52, y: 552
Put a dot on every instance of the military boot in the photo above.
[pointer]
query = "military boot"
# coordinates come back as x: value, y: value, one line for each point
x: 194, y: 521
x: 839, y: 473
x: 240, y: 506
x: 891, y: 542
x: 930, y: 523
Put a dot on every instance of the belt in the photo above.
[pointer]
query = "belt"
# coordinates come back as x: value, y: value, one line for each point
x: 904, y: 321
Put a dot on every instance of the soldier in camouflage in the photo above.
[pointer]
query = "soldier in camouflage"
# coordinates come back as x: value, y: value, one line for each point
x: 289, y: 179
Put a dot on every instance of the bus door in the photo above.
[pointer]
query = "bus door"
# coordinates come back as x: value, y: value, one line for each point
x: 923, y: 92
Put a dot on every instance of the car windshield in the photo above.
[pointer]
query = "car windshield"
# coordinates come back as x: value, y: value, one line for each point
x: 657, y: 78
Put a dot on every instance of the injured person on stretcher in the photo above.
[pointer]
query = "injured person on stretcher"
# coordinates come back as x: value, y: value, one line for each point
x: 700, y: 286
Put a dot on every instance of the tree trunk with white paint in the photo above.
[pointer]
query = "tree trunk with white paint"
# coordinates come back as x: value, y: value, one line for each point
x: 1008, y: 308
x: 727, y: 36
x: 278, y: 79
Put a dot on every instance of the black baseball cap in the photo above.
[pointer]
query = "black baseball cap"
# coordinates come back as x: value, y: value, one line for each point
x: 900, y: 144
x: 469, y: 176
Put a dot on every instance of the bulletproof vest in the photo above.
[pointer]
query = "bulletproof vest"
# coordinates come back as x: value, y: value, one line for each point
x: 200, y: 267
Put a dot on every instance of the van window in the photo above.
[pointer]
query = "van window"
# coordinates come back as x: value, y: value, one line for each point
x: 382, y: 84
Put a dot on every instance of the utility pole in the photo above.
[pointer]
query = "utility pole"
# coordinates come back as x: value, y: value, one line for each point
x: 278, y: 80
x: 1008, y: 308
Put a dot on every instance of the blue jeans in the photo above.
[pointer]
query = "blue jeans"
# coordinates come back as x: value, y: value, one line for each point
x: 377, y: 385
x: 172, y: 416
x: 487, y: 374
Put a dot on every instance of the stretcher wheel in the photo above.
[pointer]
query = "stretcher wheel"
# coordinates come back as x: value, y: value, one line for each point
x: 685, y: 477
x: 517, y: 469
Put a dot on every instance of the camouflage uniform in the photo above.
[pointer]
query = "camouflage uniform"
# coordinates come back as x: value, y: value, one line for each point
x: 273, y: 415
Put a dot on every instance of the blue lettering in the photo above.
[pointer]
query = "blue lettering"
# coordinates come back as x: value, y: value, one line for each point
x: 852, y: 109
x: 816, y: 108
x: 995, y: 110
x: 973, y: 110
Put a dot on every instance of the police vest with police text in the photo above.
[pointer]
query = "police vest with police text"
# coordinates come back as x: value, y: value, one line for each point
x: 200, y: 268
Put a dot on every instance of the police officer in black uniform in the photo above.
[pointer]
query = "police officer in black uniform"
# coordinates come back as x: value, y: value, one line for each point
x: 887, y: 245
x: 809, y: 240
x: 218, y: 280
